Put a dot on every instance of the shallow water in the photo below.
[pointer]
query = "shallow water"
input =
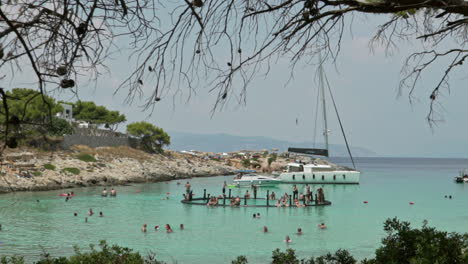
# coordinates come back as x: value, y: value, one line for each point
x: 218, y: 235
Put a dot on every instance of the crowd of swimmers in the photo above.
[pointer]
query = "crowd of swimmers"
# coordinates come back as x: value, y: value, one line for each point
x: 299, y: 231
x: 168, y: 228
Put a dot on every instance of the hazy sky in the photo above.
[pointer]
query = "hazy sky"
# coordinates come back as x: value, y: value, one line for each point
x: 365, y: 88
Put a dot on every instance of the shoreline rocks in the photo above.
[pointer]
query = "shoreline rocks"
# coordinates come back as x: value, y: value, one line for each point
x: 84, y: 166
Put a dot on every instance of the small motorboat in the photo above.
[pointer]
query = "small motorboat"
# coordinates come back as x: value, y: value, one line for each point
x: 254, y: 179
x: 463, y: 177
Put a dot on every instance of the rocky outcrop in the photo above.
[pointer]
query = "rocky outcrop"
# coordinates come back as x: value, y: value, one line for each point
x: 111, y: 166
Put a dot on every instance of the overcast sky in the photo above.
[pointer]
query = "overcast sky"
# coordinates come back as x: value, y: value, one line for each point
x: 365, y: 88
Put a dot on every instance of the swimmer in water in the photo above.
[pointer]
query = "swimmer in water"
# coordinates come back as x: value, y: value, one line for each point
x: 265, y: 229
x: 104, y: 192
x: 143, y: 228
x: 156, y: 228
x: 288, y: 239
x: 258, y: 215
x: 113, y: 192
x: 90, y: 212
x: 181, y: 226
x: 75, y: 214
x: 299, y: 231
x: 0, y: 227
x: 100, y: 214
x: 168, y: 228
x: 86, y: 219
x: 322, y: 226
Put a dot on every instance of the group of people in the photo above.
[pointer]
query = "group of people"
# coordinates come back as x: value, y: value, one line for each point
x: 113, y: 193
x: 156, y: 228
x: 68, y: 197
x: 90, y: 213
x: 299, y: 231
x: 213, y: 201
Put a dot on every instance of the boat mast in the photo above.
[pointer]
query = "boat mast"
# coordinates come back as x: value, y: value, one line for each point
x: 324, y: 110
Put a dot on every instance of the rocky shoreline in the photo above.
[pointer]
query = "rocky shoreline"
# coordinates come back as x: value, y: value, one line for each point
x: 82, y: 166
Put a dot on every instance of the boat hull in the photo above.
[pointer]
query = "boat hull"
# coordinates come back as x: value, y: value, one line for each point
x: 256, y: 182
x: 321, y: 177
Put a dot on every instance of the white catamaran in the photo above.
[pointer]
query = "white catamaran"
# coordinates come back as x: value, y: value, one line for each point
x: 320, y: 171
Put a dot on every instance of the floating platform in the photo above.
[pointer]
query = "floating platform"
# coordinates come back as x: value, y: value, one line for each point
x: 204, y: 201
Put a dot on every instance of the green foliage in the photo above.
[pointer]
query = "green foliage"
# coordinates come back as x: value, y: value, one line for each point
x: 406, y: 245
x: 153, y: 138
x: 240, y: 260
x: 59, y: 127
x: 100, y: 115
x: 288, y: 257
x: 406, y: 13
x: 246, y: 163
x: 265, y: 154
x: 86, y: 157
x: 49, y: 166
x: 28, y: 105
x: 75, y: 171
x: 12, y: 260
x: 106, y: 255
x: 37, y: 173
x: 272, y: 158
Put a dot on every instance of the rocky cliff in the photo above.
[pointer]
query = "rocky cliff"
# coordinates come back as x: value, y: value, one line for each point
x: 84, y: 166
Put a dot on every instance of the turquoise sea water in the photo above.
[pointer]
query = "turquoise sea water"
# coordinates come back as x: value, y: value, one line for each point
x: 218, y: 235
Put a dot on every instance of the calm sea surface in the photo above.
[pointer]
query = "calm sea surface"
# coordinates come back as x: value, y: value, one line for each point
x: 218, y: 235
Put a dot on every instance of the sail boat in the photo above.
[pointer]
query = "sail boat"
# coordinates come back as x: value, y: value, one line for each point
x: 320, y: 171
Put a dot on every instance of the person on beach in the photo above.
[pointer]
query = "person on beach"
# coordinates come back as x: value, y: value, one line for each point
x: 181, y: 226
x: 265, y: 229
x: 299, y: 231
x: 104, y: 192
x: 322, y: 226
x: 288, y: 239
x: 113, y: 192
x: 168, y: 228
x: 90, y: 212
x: 143, y: 228
x: 187, y: 187
x: 100, y: 214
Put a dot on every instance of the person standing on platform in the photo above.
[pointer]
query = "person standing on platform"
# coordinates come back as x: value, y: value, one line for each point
x: 295, y: 192
x: 224, y: 188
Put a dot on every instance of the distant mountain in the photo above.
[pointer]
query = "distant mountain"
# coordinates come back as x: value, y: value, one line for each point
x: 228, y: 143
